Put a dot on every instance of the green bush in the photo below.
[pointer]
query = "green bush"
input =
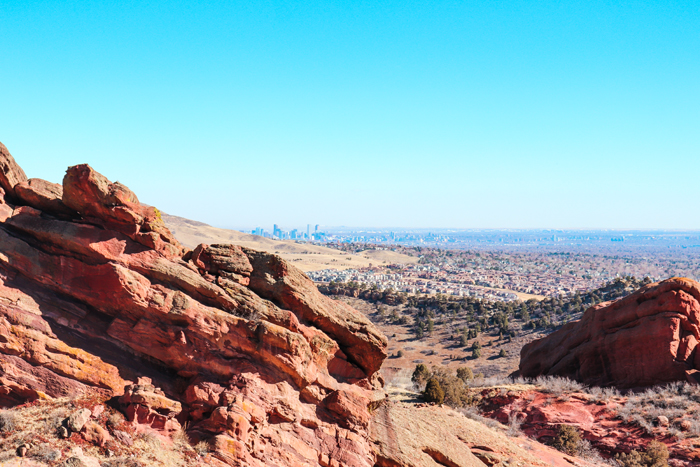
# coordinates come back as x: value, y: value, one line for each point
x: 455, y: 390
x: 464, y: 340
x: 656, y: 455
x: 465, y: 374
x: 476, y: 350
x: 568, y: 440
x: 420, y: 374
x: 433, y: 392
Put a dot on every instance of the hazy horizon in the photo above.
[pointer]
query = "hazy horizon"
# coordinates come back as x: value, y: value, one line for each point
x: 481, y: 115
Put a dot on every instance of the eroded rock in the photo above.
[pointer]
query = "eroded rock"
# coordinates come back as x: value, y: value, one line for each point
x: 644, y: 339
x: 96, y: 293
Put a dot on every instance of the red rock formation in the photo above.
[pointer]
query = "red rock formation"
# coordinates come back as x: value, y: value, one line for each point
x: 10, y: 173
x: 430, y: 436
x: 647, y: 338
x: 97, y: 298
x: 96, y: 293
x: 597, y: 419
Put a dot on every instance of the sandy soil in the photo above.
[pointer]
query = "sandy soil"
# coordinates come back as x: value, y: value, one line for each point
x: 305, y: 256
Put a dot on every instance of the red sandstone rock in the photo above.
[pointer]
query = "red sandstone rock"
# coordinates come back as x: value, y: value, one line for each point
x: 96, y: 198
x: 276, y: 280
x: 647, y: 338
x: 350, y: 407
x: 108, y: 280
x: 10, y: 173
x: 95, y: 434
x: 148, y: 405
x: 95, y: 293
x: 42, y: 195
x: 598, y: 421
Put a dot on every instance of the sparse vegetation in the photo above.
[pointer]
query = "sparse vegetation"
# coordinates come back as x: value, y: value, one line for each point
x: 35, y: 426
x: 8, y: 421
x: 656, y: 455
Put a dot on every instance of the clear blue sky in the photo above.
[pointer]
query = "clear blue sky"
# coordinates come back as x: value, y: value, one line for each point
x: 524, y: 114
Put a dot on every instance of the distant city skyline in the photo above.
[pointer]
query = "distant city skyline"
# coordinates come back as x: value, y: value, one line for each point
x: 516, y: 114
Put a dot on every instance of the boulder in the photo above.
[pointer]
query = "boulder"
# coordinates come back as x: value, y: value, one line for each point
x: 94, y: 433
x: 145, y: 404
x: 78, y: 419
x: 644, y: 339
x: 10, y: 172
x: 113, y: 205
x: 42, y: 195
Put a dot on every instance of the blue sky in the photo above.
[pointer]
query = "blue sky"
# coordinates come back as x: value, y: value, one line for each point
x: 498, y: 114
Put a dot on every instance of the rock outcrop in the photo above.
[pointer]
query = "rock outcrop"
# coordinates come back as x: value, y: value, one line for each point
x: 97, y: 296
x: 432, y: 436
x: 647, y: 338
x: 100, y: 304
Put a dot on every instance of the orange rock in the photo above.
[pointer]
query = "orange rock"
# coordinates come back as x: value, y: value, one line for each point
x: 97, y: 292
x: 42, y: 195
x: 10, y: 172
x: 644, y: 339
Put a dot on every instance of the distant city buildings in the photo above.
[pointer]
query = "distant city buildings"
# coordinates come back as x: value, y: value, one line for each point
x: 294, y: 234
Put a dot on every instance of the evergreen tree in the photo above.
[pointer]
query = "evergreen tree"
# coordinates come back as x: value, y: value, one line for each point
x: 433, y: 392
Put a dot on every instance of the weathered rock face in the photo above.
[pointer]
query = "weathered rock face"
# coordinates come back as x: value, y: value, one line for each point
x: 10, y: 173
x: 430, y: 436
x: 647, y: 338
x: 96, y: 295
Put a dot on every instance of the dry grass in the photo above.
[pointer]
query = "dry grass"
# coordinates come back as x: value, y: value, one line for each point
x: 36, y: 424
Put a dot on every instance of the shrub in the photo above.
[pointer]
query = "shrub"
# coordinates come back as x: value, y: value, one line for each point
x: 502, y: 353
x: 433, y: 392
x: 456, y: 391
x: 656, y: 455
x: 201, y: 448
x: 399, y: 354
x: 420, y: 374
x: 473, y: 414
x: 557, y: 386
x: 465, y: 374
x: 44, y: 453
x: 568, y: 440
x: 476, y: 350
x: 8, y: 421
x: 514, y: 424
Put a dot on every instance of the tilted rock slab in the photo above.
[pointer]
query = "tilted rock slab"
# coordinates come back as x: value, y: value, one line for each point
x: 406, y: 435
x: 647, y: 338
x: 96, y: 295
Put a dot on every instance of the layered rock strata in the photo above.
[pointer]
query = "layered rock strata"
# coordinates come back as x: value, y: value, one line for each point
x: 647, y: 338
x: 96, y: 295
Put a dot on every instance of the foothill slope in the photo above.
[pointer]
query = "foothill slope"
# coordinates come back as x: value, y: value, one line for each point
x: 305, y: 256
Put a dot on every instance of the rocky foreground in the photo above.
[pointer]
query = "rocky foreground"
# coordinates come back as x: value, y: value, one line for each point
x: 233, y: 349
